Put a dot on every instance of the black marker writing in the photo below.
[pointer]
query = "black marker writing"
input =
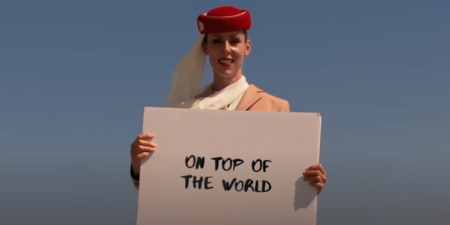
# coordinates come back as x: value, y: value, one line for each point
x: 249, y: 184
x: 227, y: 163
x: 261, y: 164
x: 199, y: 162
x: 197, y: 182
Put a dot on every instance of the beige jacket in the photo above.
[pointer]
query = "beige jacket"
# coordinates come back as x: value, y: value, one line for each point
x: 254, y: 99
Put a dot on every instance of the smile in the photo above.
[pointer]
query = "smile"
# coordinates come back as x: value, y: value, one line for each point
x: 226, y: 62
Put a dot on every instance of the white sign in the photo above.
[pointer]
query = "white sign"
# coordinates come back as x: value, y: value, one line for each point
x: 219, y: 167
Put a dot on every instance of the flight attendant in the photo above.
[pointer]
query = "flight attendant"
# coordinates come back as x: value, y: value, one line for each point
x: 224, y: 38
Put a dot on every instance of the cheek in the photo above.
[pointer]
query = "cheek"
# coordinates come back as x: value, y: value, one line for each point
x: 238, y: 56
x: 214, y: 54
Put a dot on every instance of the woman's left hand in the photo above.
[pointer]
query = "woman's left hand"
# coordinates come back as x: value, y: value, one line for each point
x: 316, y: 176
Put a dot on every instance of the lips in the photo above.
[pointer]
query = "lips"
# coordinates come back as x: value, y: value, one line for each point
x: 226, y: 61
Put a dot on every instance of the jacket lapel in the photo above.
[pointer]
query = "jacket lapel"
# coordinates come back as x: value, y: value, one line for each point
x: 251, y: 96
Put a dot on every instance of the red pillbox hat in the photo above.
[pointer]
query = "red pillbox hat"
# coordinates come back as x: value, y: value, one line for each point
x: 224, y: 19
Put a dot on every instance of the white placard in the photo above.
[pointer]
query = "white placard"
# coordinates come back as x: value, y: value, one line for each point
x: 281, y: 145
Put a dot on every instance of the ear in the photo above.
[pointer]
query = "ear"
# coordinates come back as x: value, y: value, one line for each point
x: 248, y: 47
x: 205, y: 48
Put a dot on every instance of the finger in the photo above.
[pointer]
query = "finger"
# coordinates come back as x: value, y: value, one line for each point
x: 146, y: 136
x: 324, y: 178
x: 147, y: 143
x: 312, y: 173
x: 144, y: 148
x: 143, y: 155
x: 318, y: 186
x: 313, y: 179
x: 315, y: 173
x: 317, y: 167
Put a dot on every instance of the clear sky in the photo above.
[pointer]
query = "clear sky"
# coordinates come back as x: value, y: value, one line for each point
x: 75, y: 76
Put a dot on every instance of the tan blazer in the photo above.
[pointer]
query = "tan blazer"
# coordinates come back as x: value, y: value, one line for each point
x: 254, y: 99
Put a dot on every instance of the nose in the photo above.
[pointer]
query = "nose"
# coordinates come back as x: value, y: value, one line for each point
x: 227, y: 48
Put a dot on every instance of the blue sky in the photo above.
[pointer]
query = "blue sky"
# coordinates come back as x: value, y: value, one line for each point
x: 75, y: 76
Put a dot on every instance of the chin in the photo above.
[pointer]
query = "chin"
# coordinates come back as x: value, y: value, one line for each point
x: 226, y: 74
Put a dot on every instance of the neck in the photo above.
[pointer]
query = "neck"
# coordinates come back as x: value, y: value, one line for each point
x: 222, y: 82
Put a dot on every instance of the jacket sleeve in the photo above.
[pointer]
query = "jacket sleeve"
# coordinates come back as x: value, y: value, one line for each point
x: 134, y: 178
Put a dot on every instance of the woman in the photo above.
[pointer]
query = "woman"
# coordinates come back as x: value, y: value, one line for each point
x: 224, y: 39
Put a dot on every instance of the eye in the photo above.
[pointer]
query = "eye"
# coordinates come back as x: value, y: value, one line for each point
x: 235, y: 40
x: 216, y: 41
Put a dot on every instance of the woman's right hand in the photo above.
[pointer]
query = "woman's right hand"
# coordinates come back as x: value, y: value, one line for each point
x: 141, y: 148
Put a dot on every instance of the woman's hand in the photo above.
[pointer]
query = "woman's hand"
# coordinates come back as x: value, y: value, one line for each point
x: 141, y: 148
x: 316, y: 175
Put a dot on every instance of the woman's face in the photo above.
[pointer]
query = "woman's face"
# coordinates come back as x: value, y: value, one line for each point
x: 226, y: 52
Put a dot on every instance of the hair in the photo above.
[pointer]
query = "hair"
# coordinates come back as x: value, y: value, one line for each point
x: 205, y: 39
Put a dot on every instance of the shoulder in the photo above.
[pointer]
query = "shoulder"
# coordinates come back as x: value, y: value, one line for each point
x: 273, y: 102
x: 273, y: 99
